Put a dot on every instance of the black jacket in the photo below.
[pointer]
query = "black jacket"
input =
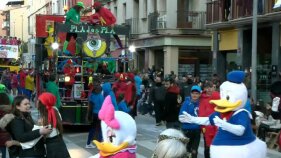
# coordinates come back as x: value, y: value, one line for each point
x: 172, y: 107
x: 21, y: 130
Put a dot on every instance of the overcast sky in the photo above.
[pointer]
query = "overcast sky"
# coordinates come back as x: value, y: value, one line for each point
x: 2, y: 4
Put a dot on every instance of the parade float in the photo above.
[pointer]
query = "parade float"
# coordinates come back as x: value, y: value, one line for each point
x: 93, y: 55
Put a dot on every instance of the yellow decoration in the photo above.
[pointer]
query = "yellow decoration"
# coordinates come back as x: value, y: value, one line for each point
x: 94, y: 54
x: 48, y: 42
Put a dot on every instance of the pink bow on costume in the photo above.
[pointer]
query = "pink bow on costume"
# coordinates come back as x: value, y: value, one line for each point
x: 106, y: 114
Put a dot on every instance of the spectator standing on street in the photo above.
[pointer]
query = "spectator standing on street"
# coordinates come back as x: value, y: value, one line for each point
x: 53, y: 88
x: 185, y: 87
x: 171, y: 104
x: 21, y: 129
x: 192, y: 131
x: 22, y: 77
x: 29, y: 84
x: 50, y: 116
x: 5, y: 108
x: 157, y: 96
x: 205, y: 110
x: 6, y: 79
x: 14, y: 83
x: 95, y: 102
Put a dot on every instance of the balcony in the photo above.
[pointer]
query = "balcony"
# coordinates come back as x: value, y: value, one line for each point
x: 191, y: 19
x: 185, y: 20
x: 133, y: 23
x: 217, y: 11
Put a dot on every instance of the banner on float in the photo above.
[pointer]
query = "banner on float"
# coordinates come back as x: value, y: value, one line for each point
x: 9, y: 51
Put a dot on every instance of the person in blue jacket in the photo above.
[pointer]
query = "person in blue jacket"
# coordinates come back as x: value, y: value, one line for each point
x: 122, y: 105
x: 192, y: 131
x: 107, y: 90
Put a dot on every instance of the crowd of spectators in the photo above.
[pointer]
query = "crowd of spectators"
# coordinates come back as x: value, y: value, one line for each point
x: 8, y: 40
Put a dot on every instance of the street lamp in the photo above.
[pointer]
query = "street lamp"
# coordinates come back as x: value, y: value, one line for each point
x: 55, y: 45
x: 132, y: 48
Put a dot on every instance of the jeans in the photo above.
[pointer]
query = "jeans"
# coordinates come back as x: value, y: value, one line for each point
x: 3, y: 151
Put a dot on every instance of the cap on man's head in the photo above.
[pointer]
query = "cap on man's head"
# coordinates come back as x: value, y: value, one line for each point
x: 196, y: 88
x: 80, y: 4
x: 97, y: 4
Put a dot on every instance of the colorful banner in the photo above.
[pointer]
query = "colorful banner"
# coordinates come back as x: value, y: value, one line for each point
x: 9, y: 51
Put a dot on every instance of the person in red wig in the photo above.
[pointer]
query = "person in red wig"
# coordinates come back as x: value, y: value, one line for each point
x: 49, y: 116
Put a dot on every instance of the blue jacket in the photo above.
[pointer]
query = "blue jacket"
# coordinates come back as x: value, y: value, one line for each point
x: 106, y: 87
x: 96, y: 101
x: 191, y: 108
x: 122, y: 106
x: 138, y: 82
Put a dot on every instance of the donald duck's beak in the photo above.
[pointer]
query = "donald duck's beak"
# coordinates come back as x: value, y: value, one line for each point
x: 107, y: 148
x: 224, y: 105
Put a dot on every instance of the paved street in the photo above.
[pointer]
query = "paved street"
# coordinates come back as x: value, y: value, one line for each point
x: 75, y: 139
x: 146, y: 140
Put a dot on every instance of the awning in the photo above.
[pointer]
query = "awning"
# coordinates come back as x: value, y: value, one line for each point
x: 15, y: 2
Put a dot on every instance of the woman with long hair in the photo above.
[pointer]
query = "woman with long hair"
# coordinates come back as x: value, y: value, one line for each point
x: 49, y: 116
x: 21, y: 129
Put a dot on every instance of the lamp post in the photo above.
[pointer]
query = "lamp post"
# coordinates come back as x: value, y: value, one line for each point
x: 254, y: 52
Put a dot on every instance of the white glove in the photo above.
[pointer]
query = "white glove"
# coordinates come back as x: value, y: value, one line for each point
x: 235, y: 129
x: 275, y: 104
x: 186, y: 118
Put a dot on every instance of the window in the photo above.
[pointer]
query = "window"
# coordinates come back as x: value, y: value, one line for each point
x: 144, y: 9
x: 115, y: 11
x: 124, y: 12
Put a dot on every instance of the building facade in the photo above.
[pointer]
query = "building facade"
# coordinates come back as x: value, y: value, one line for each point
x: 231, y: 25
x: 168, y: 34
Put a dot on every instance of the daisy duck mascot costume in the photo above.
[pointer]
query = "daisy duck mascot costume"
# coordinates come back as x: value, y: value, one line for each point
x: 118, y: 131
x: 235, y: 137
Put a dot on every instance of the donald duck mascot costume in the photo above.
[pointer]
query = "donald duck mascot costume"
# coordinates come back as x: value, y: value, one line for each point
x: 235, y: 137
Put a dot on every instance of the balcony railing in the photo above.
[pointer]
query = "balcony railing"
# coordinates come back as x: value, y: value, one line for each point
x: 133, y: 23
x: 185, y: 19
x: 219, y: 11
x: 191, y: 19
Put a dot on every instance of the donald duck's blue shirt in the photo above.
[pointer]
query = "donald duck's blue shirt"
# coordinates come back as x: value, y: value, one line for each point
x: 226, y: 138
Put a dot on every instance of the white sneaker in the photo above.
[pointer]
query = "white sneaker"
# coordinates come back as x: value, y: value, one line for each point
x: 90, y: 146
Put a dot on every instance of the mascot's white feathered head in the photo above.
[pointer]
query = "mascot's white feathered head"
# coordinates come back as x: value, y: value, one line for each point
x: 233, y: 93
x: 118, y: 129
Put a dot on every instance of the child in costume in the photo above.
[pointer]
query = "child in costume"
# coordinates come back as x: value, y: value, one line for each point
x: 119, y: 133
x: 235, y: 137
